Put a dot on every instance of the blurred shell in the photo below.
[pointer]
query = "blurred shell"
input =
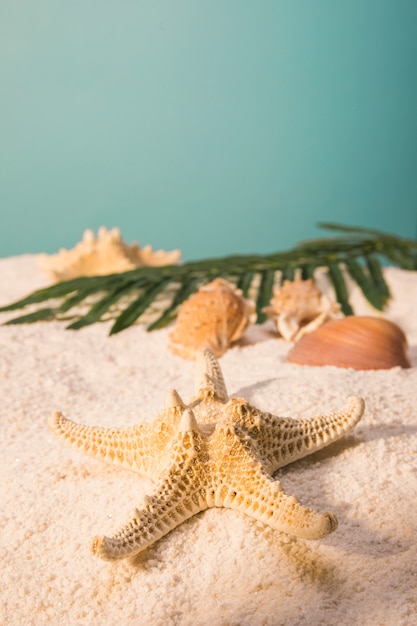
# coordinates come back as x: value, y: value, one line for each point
x: 359, y: 342
x: 299, y: 307
x: 214, y: 317
x: 105, y: 254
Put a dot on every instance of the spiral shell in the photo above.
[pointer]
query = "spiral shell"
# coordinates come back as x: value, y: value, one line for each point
x: 214, y: 317
x: 359, y: 342
x: 299, y: 307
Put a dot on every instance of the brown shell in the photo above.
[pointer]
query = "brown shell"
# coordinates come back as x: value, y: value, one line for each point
x: 359, y: 342
x: 214, y: 317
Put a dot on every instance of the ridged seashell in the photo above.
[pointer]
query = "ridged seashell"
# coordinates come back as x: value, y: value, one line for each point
x: 359, y: 342
x: 214, y: 317
x: 299, y: 307
x: 105, y: 254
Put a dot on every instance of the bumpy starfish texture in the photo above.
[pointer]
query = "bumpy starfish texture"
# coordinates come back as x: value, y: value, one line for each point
x: 213, y: 452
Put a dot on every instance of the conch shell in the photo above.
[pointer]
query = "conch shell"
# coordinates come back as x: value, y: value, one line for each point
x: 299, y: 307
x: 105, y: 254
x: 359, y: 342
x: 214, y: 317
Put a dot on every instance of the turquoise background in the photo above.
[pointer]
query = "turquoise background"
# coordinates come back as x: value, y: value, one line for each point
x: 216, y: 126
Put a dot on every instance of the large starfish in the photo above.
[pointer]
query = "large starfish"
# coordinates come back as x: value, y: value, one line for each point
x: 215, y: 452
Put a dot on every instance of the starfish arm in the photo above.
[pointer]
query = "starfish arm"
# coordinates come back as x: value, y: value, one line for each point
x: 128, y: 447
x: 209, y: 381
x: 262, y: 498
x: 163, y: 512
x: 283, y: 440
x: 179, y: 494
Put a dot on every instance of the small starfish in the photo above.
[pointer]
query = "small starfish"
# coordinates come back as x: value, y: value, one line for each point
x: 215, y: 452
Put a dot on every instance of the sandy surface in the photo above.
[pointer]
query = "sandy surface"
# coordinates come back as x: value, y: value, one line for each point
x: 220, y: 567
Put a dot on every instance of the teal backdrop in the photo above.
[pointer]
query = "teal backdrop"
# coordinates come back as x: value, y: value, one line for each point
x: 217, y: 127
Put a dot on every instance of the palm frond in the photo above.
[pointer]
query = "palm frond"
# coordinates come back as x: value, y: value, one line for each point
x: 337, y: 278
x: 157, y: 292
x: 264, y: 293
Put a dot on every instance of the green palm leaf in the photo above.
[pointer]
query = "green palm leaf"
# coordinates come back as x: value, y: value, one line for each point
x: 189, y: 286
x: 135, y: 309
x: 41, y: 315
x: 264, y: 294
x: 363, y: 278
x: 159, y: 291
x: 339, y: 284
x: 101, y: 307
x: 377, y: 277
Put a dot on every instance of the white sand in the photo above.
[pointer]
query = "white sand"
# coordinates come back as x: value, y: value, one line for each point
x: 220, y: 567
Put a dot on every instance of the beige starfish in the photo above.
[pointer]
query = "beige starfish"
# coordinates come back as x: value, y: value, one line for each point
x: 105, y: 253
x: 215, y: 452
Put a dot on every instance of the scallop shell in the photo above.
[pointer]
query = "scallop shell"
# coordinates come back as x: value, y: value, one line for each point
x: 359, y: 342
x: 214, y: 317
x: 299, y: 307
x: 105, y: 254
